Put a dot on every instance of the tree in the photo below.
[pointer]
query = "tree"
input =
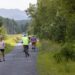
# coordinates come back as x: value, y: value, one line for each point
x: 53, y: 19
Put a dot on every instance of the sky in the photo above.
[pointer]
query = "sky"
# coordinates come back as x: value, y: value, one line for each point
x: 16, y: 4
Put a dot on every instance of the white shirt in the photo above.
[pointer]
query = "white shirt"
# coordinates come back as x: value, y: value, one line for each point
x: 2, y: 45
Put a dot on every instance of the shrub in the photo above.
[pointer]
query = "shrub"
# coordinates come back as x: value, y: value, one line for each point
x: 67, y: 52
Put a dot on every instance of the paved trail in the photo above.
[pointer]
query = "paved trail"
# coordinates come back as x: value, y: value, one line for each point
x: 17, y: 64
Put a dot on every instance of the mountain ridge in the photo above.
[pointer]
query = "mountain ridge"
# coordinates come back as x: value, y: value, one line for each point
x: 15, y: 14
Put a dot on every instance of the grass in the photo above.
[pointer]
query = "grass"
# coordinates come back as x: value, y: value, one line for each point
x: 47, y: 65
x: 10, y: 42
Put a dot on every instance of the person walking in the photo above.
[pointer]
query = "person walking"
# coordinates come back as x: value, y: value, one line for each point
x: 25, y: 41
x: 2, y: 48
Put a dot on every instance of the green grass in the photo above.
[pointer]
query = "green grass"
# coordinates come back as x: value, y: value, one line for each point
x: 10, y: 42
x: 8, y: 48
x: 47, y: 65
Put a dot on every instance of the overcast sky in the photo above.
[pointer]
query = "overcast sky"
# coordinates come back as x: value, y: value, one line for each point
x: 16, y: 4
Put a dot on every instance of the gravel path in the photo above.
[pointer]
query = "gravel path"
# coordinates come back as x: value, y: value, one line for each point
x: 17, y: 64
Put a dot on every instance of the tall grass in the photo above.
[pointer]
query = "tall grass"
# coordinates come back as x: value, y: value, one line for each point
x: 10, y: 42
x: 46, y: 63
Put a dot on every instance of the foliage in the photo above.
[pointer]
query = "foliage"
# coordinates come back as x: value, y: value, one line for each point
x: 66, y: 53
x: 2, y: 29
x: 46, y: 63
x: 10, y: 42
x: 11, y: 26
x: 53, y: 19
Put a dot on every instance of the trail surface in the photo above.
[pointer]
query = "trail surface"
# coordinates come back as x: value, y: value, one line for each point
x: 17, y: 64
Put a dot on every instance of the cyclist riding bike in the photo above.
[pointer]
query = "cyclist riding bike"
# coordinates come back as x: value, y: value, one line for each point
x: 33, y: 41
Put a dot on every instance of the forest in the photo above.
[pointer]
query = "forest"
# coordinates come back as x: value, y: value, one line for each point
x: 10, y: 26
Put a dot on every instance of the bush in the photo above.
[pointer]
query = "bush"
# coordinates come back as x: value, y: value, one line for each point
x: 67, y: 52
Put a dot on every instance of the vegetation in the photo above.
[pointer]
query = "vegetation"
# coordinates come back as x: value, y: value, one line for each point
x: 8, y: 30
x: 11, y: 41
x: 54, y: 20
x: 12, y: 26
x: 47, y: 64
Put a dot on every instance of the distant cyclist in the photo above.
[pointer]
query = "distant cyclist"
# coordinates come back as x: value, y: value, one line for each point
x: 25, y: 40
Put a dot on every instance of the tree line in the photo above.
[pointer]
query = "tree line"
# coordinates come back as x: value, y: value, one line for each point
x: 10, y: 26
x: 53, y: 19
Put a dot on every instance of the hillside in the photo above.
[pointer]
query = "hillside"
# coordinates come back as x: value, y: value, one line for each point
x: 13, y: 14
